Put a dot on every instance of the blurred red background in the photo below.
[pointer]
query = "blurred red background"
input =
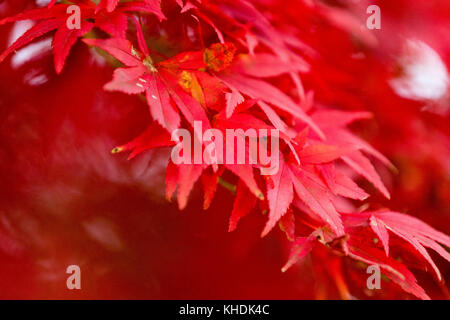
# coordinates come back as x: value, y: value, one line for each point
x: 64, y: 199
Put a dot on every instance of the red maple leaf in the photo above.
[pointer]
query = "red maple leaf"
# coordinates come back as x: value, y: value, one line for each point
x: 55, y: 17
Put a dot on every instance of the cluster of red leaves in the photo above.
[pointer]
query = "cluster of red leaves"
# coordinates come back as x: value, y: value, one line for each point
x: 225, y: 64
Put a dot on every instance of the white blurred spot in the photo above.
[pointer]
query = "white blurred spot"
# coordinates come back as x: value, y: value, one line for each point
x: 30, y: 51
x: 104, y: 232
x: 191, y: 34
x: 424, y: 75
x: 34, y: 78
x: 42, y: 3
x: 19, y: 28
x: 96, y: 58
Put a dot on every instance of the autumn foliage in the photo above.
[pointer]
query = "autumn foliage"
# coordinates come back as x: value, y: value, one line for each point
x: 360, y: 163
